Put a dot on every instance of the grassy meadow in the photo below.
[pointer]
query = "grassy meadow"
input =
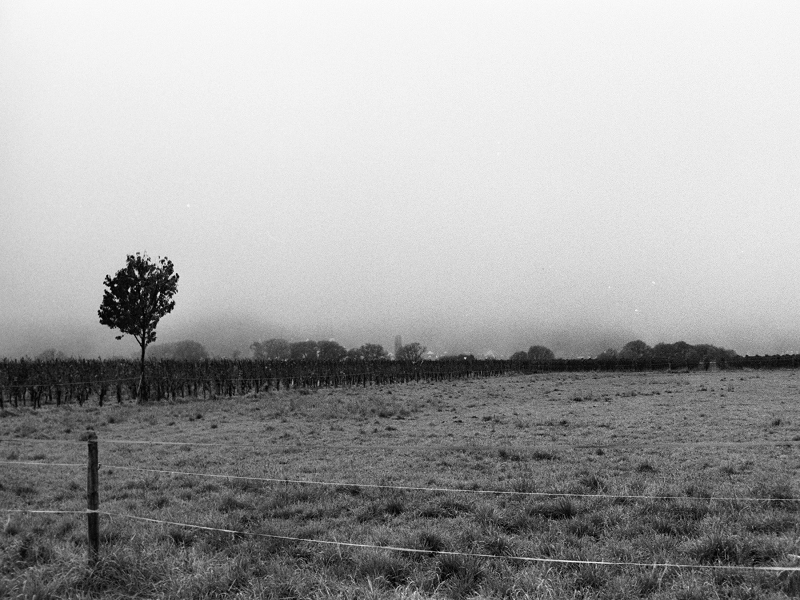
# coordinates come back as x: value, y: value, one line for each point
x: 596, y: 438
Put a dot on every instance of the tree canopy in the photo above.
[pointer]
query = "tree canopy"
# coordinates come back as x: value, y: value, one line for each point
x: 411, y: 352
x: 635, y: 350
x: 367, y: 352
x: 303, y: 350
x: 540, y: 353
x: 137, y: 297
x: 273, y: 349
x: 330, y: 350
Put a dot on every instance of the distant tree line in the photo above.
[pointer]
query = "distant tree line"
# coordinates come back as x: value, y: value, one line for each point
x: 534, y: 354
x: 692, y: 356
x: 331, y: 351
x: 677, y: 353
x: 323, y: 350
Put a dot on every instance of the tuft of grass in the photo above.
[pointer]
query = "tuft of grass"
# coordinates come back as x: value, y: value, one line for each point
x: 777, y: 495
x: 590, y: 577
x: 586, y: 527
x: 508, y: 454
x: 592, y: 482
x: 388, y: 567
x: 31, y: 551
x: 181, y: 537
x: 722, y: 548
x: 524, y: 485
x: 560, y: 508
x: 446, y: 508
x: 394, y: 506
x: 499, y: 545
x: 543, y: 455
x: 230, y: 503
x: 461, y: 575
x: 674, y: 526
x: 648, y: 582
x: 694, y: 491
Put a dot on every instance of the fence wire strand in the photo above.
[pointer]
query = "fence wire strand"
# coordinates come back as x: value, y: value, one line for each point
x: 533, y: 559
x: 450, y: 490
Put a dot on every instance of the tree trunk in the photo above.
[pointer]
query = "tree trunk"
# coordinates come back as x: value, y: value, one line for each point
x: 142, y: 389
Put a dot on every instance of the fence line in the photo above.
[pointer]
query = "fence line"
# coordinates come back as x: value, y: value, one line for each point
x: 43, y: 511
x: 413, y: 488
x: 452, y: 490
x: 464, y: 447
x: 536, y: 559
x: 40, y: 464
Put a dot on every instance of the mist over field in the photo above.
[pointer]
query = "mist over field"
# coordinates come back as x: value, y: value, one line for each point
x: 468, y: 175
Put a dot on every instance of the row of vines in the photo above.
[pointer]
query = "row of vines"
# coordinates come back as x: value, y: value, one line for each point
x: 34, y: 383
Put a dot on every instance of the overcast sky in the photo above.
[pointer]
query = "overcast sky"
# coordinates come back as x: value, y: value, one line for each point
x: 470, y: 175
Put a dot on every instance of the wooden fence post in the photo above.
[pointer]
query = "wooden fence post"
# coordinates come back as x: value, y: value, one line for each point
x: 93, y: 501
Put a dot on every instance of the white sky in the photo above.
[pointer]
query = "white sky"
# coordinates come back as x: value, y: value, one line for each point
x: 464, y: 174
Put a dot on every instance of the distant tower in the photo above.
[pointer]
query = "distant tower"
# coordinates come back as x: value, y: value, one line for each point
x: 398, y: 344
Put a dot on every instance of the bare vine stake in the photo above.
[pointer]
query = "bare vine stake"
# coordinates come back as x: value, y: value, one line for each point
x: 93, y: 501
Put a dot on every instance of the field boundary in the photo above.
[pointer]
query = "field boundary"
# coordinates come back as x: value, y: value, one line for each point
x: 454, y: 447
x: 653, y: 565
x: 93, y: 513
x: 410, y: 488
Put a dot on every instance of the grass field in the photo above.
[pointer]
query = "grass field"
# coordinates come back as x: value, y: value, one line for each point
x: 598, y: 439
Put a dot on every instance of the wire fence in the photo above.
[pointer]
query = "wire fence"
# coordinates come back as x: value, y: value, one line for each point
x: 423, y: 551
x: 306, y: 445
x: 93, y: 512
x: 415, y: 488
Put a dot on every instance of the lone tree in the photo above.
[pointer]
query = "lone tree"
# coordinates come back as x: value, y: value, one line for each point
x: 136, y: 299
